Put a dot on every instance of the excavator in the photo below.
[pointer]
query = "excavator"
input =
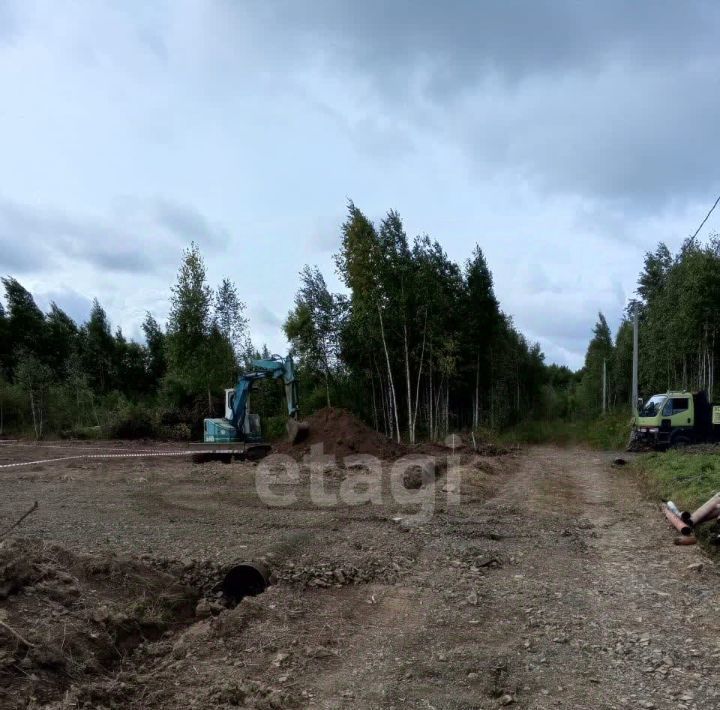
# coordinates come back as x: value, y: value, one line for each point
x: 238, y: 435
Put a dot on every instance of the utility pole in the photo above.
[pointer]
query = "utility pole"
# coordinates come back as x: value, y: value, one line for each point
x: 635, y: 361
x: 604, y: 399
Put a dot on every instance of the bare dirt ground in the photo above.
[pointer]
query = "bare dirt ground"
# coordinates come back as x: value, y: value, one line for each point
x: 552, y: 584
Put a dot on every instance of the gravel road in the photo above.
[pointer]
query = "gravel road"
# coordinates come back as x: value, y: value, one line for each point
x: 553, y: 584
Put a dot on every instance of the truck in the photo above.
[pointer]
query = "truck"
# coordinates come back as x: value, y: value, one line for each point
x: 675, y: 418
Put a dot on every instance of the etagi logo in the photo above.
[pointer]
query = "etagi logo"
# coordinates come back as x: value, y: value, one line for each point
x: 411, y: 481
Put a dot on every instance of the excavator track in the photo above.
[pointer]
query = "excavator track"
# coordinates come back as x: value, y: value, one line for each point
x: 228, y: 454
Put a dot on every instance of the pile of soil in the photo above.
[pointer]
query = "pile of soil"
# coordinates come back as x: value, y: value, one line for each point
x: 342, y: 434
x: 66, y: 617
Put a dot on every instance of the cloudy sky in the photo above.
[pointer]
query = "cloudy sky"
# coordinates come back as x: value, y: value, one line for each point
x: 566, y: 138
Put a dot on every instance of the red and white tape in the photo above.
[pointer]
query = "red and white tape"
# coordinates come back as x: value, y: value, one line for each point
x: 134, y: 455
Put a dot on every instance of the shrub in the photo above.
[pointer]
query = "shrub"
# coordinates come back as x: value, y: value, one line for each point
x: 274, y: 428
x: 132, y: 421
x: 176, y: 432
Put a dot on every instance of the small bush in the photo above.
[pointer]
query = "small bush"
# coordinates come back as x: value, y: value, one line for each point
x: 84, y: 433
x: 133, y: 421
x: 274, y: 428
x: 176, y: 432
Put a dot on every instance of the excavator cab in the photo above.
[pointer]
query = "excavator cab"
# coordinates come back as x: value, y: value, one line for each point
x: 251, y: 426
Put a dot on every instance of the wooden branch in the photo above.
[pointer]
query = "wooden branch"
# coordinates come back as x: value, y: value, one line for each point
x: 16, y: 523
x: 16, y: 635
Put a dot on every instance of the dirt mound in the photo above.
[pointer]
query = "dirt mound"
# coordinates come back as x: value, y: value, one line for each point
x: 342, y: 434
x: 65, y: 616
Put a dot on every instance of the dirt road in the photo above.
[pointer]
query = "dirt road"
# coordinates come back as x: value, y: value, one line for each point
x: 553, y: 584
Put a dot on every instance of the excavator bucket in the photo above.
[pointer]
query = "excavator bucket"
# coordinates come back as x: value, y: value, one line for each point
x: 296, y: 430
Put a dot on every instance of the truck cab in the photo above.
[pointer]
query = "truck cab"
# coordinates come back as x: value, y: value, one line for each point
x: 676, y: 418
x: 669, y: 419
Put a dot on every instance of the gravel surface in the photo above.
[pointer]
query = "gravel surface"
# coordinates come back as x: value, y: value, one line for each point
x: 551, y: 584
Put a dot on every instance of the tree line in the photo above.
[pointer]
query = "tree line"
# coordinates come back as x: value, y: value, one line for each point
x: 678, y: 306
x: 86, y: 380
x: 416, y: 345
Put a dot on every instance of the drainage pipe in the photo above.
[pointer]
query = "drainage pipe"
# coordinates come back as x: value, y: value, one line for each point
x: 705, y: 509
x: 246, y: 579
x: 676, y: 521
x: 674, y: 509
x: 685, y: 540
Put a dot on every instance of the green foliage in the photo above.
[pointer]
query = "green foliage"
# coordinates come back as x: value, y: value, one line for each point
x: 610, y: 433
x: 230, y: 318
x: 61, y: 339
x: 313, y: 328
x: 156, y: 356
x: 274, y: 427
x: 200, y: 357
x: 25, y: 321
x: 685, y: 477
x: 58, y: 377
x: 34, y: 378
x: 621, y: 372
x: 98, y: 350
x: 599, y: 356
x: 679, y: 318
x: 422, y: 339
x: 13, y: 405
x: 132, y: 421
x: 189, y: 324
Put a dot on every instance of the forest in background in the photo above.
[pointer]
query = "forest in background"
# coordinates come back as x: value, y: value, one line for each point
x: 678, y: 306
x: 416, y: 345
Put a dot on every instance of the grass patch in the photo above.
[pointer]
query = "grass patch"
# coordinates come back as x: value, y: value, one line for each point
x: 684, y: 477
x: 610, y: 432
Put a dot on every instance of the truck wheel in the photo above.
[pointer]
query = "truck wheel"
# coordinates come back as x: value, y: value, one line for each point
x: 679, y: 441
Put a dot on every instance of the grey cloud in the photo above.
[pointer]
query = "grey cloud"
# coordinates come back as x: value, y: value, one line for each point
x: 610, y: 100
x: 261, y: 315
x: 18, y: 253
x: 188, y: 224
x: 537, y: 281
x: 565, y: 322
x: 323, y: 241
x: 325, y: 237
x: 31, y: 238
x: 8, y: 21
x: 558, y: 324
x: 49, y: 235
x: 73, y: 303
x: 117, y: 260
x: 457, y: 42
x: 628, y: 136
x: 15, y: 257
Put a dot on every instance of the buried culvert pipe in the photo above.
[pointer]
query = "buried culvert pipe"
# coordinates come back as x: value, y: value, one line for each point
x: 246, y: 579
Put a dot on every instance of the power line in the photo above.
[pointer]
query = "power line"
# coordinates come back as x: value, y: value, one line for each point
x: 706, y: 218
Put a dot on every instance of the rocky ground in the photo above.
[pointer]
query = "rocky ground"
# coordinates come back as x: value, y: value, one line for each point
x: 551, y: 583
